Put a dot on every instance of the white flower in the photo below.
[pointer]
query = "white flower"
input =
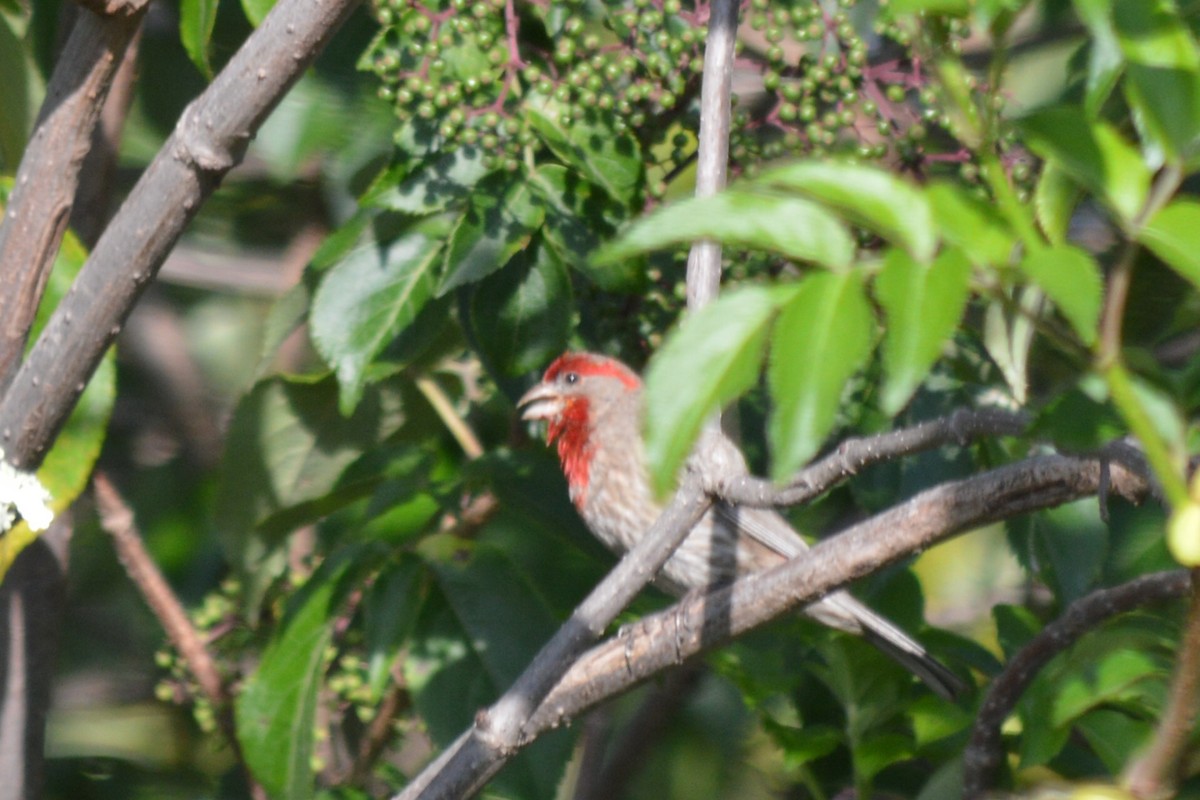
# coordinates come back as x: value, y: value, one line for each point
x: 21, y: 493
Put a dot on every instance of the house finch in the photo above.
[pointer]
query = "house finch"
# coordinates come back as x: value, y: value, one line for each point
x: 592, y: 405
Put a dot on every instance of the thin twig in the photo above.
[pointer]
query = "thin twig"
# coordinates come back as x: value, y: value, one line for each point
x: 441, y: 403
x: 855, y: 454
x: 712, y: 147
x: 116, y: 519
x: 378, y: 734
x: 1156, y: 773
x: 985, y: 752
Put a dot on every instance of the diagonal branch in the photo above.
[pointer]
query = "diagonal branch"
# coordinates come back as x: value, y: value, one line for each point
x: 47, y: 178
x: 855, y: 454
x: 702, y: 622
x: 208, y: 141
x: 499, y: 731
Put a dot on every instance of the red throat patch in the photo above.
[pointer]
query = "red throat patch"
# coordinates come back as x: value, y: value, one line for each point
x: 570, y: 433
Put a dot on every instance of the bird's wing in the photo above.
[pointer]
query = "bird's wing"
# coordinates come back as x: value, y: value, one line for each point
x: 765, y: 527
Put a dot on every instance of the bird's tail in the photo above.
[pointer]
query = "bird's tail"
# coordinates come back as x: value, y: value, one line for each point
x: 893, y: 642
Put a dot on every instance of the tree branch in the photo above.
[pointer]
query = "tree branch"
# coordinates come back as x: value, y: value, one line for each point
x: 498, y: 732
x: 116, y: 519
x: 985, y: 752
x: 1156, y: 773
x: 47, y: 178
x: 208, y: 141
x: 712, y: 150
x: 855, y: 454
x: 702, y: 622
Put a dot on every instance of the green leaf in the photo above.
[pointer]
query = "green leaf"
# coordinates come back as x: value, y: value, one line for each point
x: 67, y: 467
x: 1173, y: 234
x: 1152, y: 34
x: 823, y: 336
x: 934, y: 719
x: 1113, y: 735
x: 579, y: 217
x: 499, y: 222
x: 878, y: 751
x: 371, y: 296
x: 971, y: 225
x: 276, y: 709
x: 1105, y: 59
x: 1054, y: 200
x: 196, y: 21
x: 868, y: 196
x: 952, y: 8
x: 1166, y: 106
x: 591, y: 145
x: 1071, y: 278
x: 1080, y: 418
x: 19, y: 77
x: 792, y: 226
x: 522, y: 314
x: 1093, y: 153
x: 256, y: 10
x: 287, y: 314
x: 1109, y: 680
x: 802, y: 745
x: 1008, y: 337
x: 390, y: 608
x: 468, y: 647
x: 1015, y: 627
x: 288, y: 445
x: 433, y: 185
x: 716, y: 353
x: 923, y: 303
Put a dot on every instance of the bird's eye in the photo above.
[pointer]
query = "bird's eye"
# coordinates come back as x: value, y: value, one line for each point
x: 571, y: 377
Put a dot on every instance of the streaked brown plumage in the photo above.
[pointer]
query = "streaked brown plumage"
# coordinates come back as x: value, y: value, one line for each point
x: 592, y: 405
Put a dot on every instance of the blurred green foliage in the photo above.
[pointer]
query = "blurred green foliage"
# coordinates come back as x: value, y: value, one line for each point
x: 494, y: 182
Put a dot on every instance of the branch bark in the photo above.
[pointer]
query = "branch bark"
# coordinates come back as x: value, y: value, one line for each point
x: 712, y: 151
x: 208, y: 141
x: 32, y: 598
x: 985, y: 752
x: 1157, y: 772
x: 47, y: 178
x: 855, y: 454
x: 702, y: 622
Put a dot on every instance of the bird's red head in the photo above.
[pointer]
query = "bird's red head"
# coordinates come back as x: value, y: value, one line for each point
x: 571, y: 391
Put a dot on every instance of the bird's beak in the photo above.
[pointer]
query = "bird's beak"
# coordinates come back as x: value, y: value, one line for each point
x: 540, y: 402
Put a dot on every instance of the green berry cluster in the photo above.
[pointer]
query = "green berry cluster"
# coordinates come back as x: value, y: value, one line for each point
x: 214, y: 621
x: 464, y: 71
x: 834, y: 77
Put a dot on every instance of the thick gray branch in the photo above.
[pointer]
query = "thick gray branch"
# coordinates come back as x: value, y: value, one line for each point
x: 40, y: 204
x: 499, y: 731
x: 209, y: 139
x: 702, y: 622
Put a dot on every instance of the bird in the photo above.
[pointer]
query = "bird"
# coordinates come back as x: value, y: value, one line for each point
x: 592, y: 405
